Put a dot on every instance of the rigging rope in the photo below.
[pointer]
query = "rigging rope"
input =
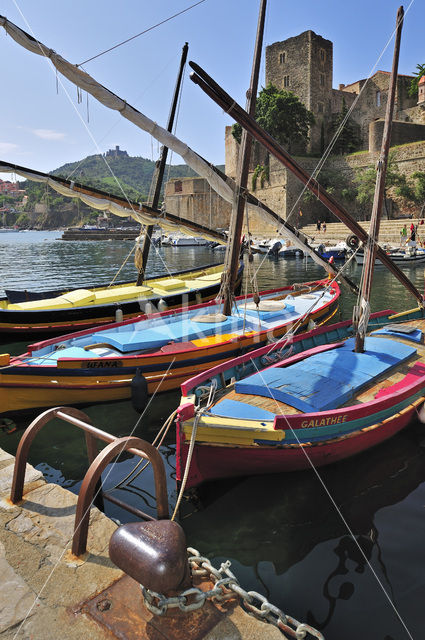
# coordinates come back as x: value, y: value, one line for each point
x: 43, y: 53
x: 140, y: 34
x: 199, y: 413
x: 136, y: 471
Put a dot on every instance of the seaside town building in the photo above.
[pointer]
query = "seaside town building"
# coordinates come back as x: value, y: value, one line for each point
x: 10, y: 188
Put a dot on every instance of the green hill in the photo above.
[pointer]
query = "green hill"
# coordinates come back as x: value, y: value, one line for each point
x: 134, y: 174
x: 120, y: 175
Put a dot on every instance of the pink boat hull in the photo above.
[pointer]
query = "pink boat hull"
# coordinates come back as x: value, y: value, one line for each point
x: 212, y: 462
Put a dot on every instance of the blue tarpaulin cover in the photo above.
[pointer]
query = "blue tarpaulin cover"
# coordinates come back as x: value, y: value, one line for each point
x: 233, y: 408
x: 327, y: 380
x: 133, y: 340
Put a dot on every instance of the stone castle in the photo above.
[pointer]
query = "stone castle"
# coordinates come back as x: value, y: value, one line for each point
x: 116, y: 153
x: 304, y: 65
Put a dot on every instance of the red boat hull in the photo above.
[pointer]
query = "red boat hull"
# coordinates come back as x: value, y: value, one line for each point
x: 211, y: 462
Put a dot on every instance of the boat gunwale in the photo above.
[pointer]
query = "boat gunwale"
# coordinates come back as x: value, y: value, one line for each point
x: 351, y: 412
x: 113, y: 325
x: 113, y: 287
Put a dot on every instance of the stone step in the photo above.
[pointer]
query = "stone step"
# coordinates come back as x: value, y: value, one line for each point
x: 337, y: 231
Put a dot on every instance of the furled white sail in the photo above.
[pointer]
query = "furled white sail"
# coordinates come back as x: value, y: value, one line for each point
x: 224, y: 186
x: 115, y: 205
x: 112, y: 101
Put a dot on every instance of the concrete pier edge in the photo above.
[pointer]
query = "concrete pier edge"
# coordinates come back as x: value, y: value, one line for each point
x: 46, y: 593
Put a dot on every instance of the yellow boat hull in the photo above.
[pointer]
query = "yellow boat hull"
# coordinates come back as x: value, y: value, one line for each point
x: 76, y: 381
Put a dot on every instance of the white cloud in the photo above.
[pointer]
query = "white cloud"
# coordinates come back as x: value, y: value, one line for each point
x: 49, y: 134
x: 7, y: 147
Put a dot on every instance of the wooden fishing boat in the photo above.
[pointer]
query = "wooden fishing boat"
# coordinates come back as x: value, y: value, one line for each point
x: 135, y: 358
x: 62, y: 311
x: 325, y: 403
x: 321, y: 404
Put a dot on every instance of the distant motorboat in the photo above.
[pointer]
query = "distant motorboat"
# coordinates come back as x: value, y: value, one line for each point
x: 184, y: 241
x: 189, y: 241
x: 336, y: 252
x: 266, y: 246
x: 276, y: 247
x: 8, y: 230
x: 411, y: 257
x: 290, y: 252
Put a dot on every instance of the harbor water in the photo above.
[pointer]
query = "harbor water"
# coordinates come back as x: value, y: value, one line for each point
x: 341, y: 548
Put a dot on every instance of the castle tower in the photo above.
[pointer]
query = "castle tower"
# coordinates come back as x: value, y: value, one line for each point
x: 304, y: 65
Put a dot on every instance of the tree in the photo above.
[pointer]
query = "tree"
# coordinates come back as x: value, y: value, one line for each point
x: 396, y: 182
x: 282, y: 115
x: 413, y: 89
x: 261, y: 171
x: 414, y: 190
x: 348, y: 139
x: 419, y: 188
x: 334, y: 182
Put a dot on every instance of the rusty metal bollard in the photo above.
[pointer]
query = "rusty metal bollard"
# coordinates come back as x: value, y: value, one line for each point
x: 152, y: 553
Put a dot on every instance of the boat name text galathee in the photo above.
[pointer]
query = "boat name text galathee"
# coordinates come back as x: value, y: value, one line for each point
x: 323, y: 422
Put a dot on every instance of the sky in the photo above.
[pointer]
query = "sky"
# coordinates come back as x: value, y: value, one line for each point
x: 45, y: 127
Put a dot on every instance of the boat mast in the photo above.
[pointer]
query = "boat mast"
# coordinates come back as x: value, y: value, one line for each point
x: 238, y: 209
x: 161, y: 168
x: 361, y: 315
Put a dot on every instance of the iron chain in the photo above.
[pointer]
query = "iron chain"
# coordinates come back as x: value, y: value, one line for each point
x: 225, y: 587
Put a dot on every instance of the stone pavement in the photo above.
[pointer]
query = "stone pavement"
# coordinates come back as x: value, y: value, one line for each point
x: 47, y: 594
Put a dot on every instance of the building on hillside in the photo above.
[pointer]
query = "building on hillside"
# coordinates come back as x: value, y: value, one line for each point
x: 116, y: 153
x: 421, y: 91
x: 10, y: 188
x: 303, y: 64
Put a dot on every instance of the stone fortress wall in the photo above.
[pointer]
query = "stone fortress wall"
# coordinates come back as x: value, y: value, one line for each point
x: 304, y: 65
x: 193, y: 199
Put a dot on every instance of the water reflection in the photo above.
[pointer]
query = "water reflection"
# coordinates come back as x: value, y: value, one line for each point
x: 41, y: 260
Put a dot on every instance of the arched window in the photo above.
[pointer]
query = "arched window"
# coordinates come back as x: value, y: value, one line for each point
x: 378, y: 98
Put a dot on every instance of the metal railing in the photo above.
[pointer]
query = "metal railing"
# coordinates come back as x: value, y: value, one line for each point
x: 97, y: 463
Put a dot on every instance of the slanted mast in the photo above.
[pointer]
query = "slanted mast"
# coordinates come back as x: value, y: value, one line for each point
x: 239, y: 202
x: 361, y: 315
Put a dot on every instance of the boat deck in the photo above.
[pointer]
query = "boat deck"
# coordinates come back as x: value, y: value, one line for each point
x: 160, y: 287
x: 365, y: 394
x: 189, y: 330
